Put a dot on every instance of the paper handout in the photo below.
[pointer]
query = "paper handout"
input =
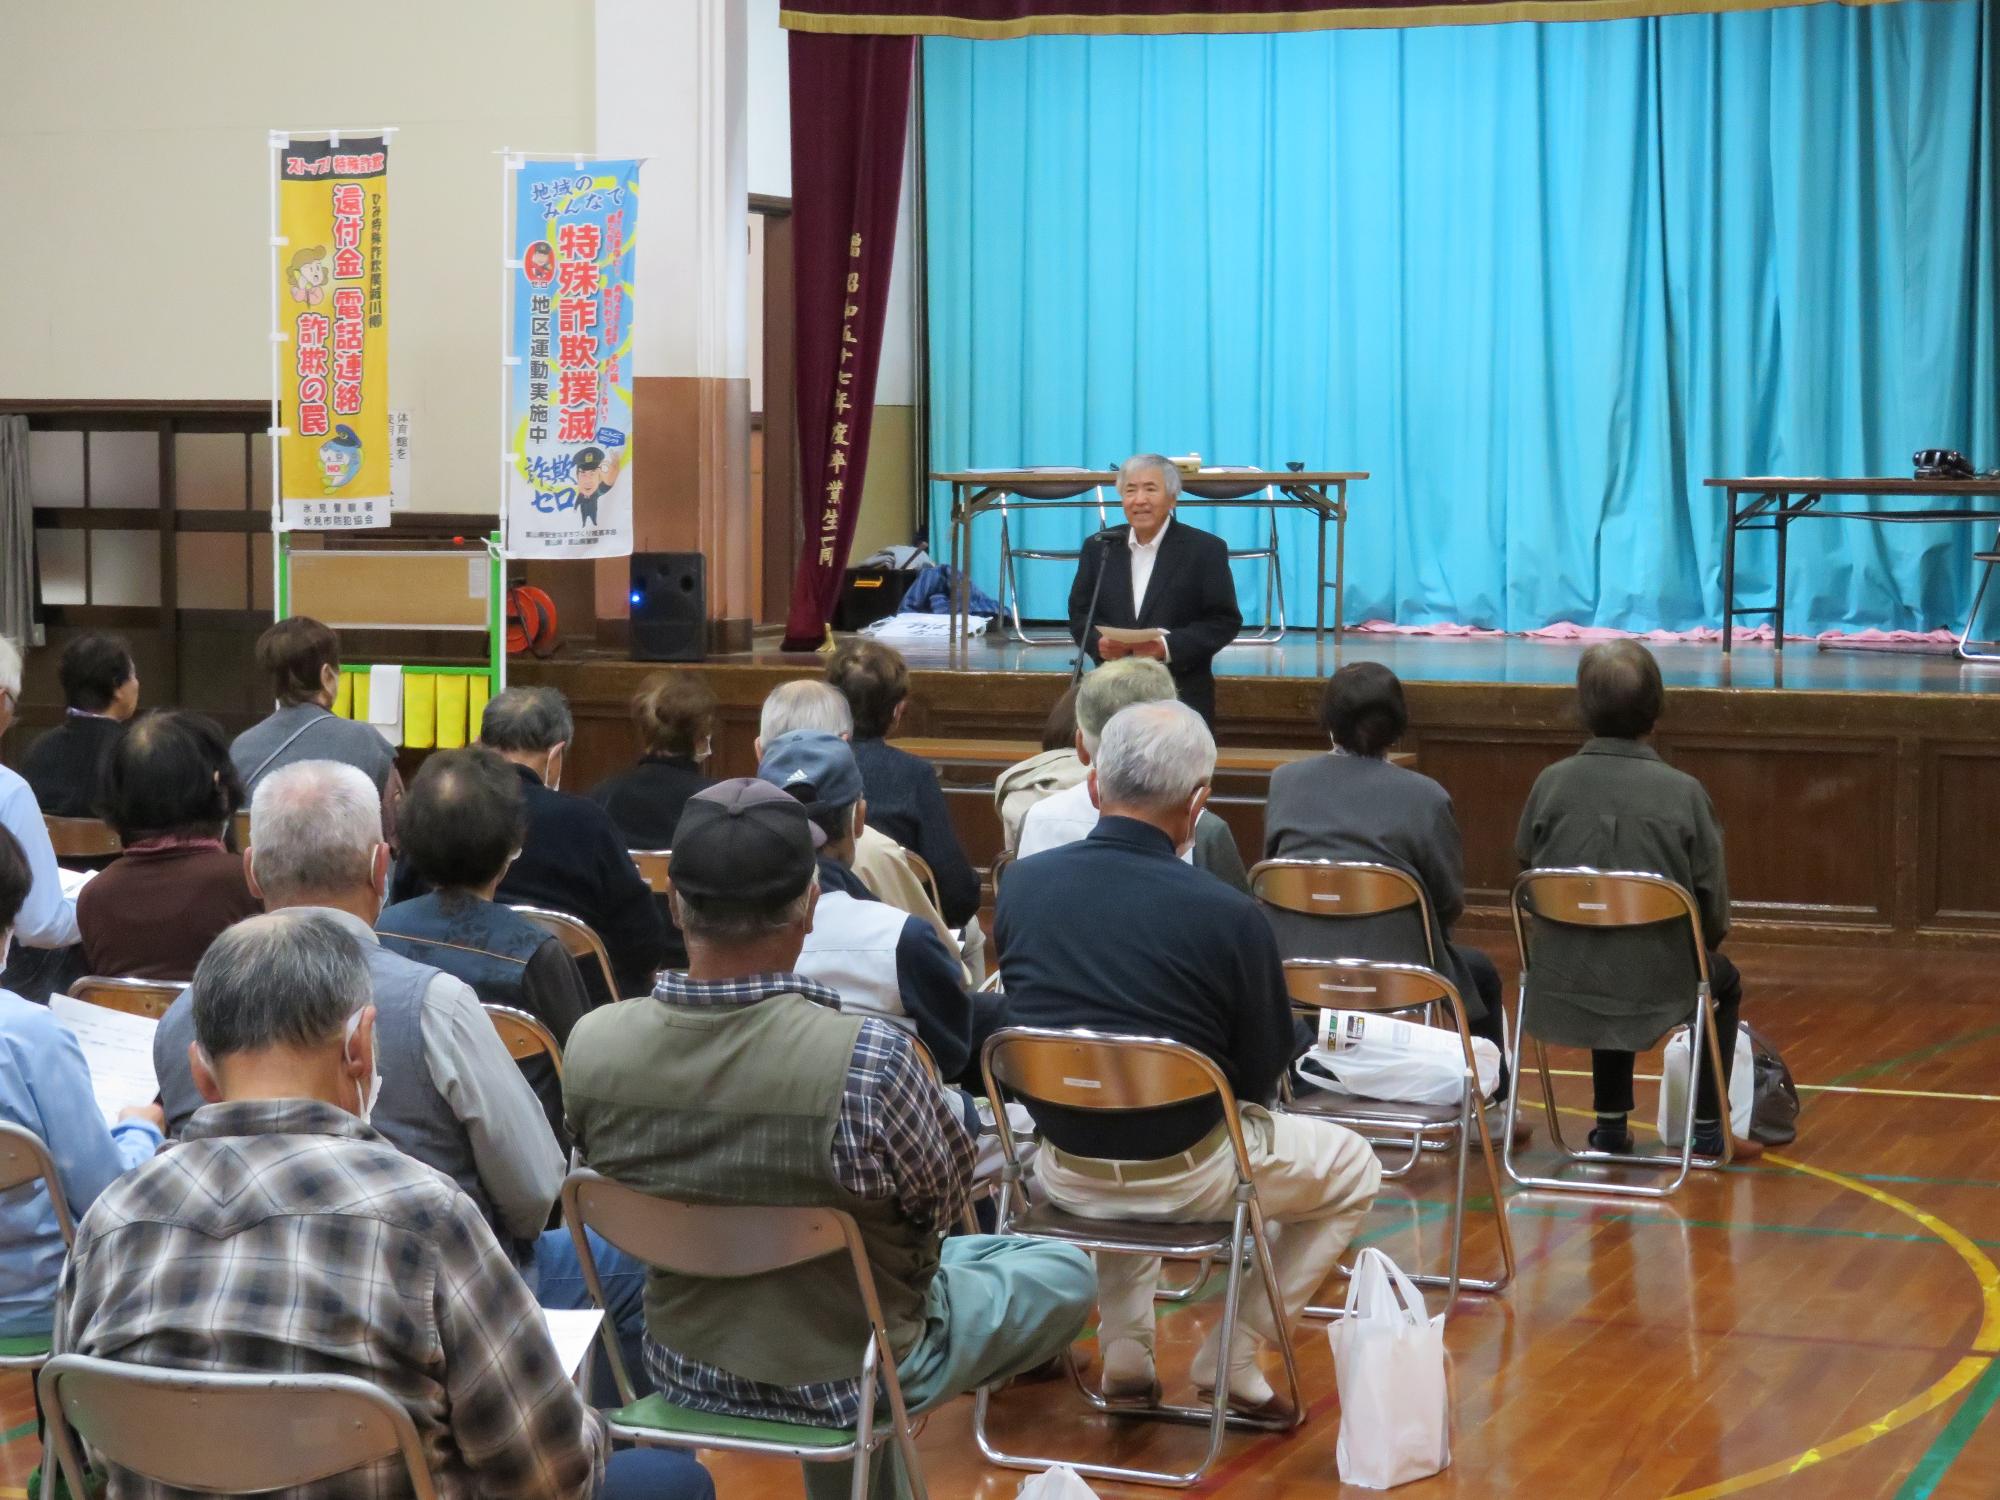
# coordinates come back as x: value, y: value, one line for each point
x: 118, y: 1048
x: 1126, y: 637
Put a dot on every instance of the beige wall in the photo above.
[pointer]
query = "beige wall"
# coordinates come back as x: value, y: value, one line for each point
x: 134, y: 165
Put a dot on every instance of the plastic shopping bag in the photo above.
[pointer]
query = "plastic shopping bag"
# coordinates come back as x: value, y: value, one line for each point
x: 1383, y: 1057
x: 1059, y: 1483
x: 1388, y: 1360
x: 1674, y: 1087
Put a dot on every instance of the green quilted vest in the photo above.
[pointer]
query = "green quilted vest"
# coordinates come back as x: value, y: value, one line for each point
x: 738, y: 1105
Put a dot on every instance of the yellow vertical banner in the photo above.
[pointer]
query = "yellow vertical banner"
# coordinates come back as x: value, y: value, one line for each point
x: 420, y: 696
x: 451, y: 697
x: 479, y: 687
x: 333, y: 300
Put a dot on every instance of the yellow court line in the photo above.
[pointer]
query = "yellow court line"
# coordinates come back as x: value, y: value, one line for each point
x: 1820, y: 1088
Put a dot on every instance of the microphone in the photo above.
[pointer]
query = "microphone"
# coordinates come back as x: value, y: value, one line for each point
x: 1096, y: 591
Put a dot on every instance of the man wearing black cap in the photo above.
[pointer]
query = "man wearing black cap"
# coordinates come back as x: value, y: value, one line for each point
x: 879, y: 959
x: 741, y: 1081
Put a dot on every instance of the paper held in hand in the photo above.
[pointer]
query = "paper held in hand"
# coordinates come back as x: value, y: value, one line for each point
x: 1126, y: 637
x: 118, y: 1049
x: 572, y: 1331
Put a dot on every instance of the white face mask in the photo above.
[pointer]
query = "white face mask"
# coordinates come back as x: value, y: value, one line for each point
x: 374, y: 1072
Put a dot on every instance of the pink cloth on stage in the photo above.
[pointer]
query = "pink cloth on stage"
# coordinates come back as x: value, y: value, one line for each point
x: 1564, y: 630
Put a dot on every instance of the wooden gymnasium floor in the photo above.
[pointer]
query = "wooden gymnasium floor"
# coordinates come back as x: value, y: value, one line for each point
x: 1826, y: 1323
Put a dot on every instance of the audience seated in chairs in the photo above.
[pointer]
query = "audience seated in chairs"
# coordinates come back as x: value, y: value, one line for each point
x: 1615, y: 805
x: 284, y: 1234
x: 45, y: 1088
x: 462, y: 824
x: 572, y: 860
x: 452, y: 1097
x: 301, y: 657
x: 1056, y: 769
x: 100, y: 688
x: 902, y: 788
x: 880, y: 863
x: 880, y: 960
x: 1114, y: 933
x: 1070, y: 814
x: 45, y: 927
x: 675, y: 713
x: 1355, y: 804
x: 743, y: 1081
x: 169, y: 790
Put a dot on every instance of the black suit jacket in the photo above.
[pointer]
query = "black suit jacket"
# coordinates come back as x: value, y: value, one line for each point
x: 63, y: 766
x: 1190, y: 596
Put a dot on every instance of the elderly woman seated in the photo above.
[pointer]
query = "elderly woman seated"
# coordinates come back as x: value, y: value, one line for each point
x: 169, y: 790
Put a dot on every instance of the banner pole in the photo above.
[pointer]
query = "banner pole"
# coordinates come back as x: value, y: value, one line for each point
x: 278, y: 141
x: 510, y: 163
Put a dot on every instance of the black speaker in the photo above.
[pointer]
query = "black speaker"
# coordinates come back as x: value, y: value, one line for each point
x: 669, y: 606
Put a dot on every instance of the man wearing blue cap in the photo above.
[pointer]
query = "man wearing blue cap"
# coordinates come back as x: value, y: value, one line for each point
x: 881, y: 960
x: 742, y: 1081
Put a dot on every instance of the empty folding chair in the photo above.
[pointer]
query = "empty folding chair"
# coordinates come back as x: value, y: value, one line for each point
x: 1082, y: 1070
x: 1605, y: 901
x: 222, y: 1434
x: 1358, y: 985
x: 722, y: 1241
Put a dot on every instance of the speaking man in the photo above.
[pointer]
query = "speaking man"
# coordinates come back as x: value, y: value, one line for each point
x: 1171, y: 581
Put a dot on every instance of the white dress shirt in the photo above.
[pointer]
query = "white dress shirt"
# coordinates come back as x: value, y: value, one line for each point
x: 1063, y: 818
x: 1144, y: 555
x: 48, y: 917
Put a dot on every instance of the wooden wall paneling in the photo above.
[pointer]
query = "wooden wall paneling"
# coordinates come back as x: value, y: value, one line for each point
x: 1489, y: 774
x: 1958, y: 865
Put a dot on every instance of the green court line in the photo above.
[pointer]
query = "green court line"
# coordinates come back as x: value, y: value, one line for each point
x: 22, y: 1431
x: 1946, y: 1447
x: 1889, y: 1064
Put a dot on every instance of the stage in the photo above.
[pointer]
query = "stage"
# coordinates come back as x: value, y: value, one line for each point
x: 1859, y: 789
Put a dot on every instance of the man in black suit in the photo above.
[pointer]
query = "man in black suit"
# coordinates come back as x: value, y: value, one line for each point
x: 1158, y: 576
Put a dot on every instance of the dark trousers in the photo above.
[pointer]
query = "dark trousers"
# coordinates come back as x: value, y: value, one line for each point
x: 1611, y: 1072
x: 1486, y: 982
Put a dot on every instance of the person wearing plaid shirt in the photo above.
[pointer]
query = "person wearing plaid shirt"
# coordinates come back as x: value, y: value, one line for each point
x: 282, y: 1234
x: 741, y: 1081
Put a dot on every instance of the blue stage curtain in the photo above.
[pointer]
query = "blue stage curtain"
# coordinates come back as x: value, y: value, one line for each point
x: 1541, y: 280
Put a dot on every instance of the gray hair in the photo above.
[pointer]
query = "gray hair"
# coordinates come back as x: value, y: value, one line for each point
x: 10, y: 667
x: 314, y: 826
x: 1153, y: 756
x: 1169, y: 475
x: 736, y: 924
x: 532, y: 719
x: 1114, y: 686
x: 289, y: 979
x: 808, y: 703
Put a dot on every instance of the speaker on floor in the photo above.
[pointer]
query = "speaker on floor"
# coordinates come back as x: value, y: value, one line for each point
x: 669, y: 606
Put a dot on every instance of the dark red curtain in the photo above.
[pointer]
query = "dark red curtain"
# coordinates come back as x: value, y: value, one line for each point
x: 850, y: 115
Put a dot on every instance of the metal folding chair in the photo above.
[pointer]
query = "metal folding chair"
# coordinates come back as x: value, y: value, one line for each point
x: 524, y: 1036
x: 1987, y: 561
x: 223, y: 1434
x: 1335, y: 891
x: 723, y: 1241
x: 24, y: 1159
x: 1220, y: 482
x: 1010, y: 593
x: 1084, y: 1070
x: 926, y: 877
x: 241, y: 823
x: 1605, y: 900
x: 1002, y: 862
x: 1383, y: 988
x: 81, y: 838
x: 578, y: 940
x: 136, y: 997
x: 653, y: 866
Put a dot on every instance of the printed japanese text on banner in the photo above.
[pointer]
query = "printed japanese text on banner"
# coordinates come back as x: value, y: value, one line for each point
x: 569, y: 405
x: 333, y: 379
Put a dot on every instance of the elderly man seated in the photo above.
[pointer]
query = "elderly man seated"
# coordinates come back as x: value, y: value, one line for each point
x: 1069, y: 814
x: 283, y: 1235
x: 1115, y: 933
x: 1615, y: 805
x: 742, y: 1081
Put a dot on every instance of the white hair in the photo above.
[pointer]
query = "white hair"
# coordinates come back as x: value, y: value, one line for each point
x: 314, y: 826
x: 10, y: 667
x: 1153, y: 756
x: 1170, y: 477
x: 1115, y: 686
x: 807, y: 703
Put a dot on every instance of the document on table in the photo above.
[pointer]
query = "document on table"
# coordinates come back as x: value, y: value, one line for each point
x: 571, y: 1330
x: 119, y: 1049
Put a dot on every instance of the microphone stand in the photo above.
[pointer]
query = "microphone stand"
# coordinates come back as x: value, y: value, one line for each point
x: 1090, y: 615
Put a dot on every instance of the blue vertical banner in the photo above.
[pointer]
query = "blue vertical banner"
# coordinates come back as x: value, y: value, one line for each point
x: 569, y: 386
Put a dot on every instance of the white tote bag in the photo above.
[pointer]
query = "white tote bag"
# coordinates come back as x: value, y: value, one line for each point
x: 1384, y: 1057
x: 1674, y: 1087
x: 1058, y: 1483
x: 1388, y: 1360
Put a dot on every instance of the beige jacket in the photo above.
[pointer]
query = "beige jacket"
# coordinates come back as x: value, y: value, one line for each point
x: 1021, y: 786
x: 883, y: 865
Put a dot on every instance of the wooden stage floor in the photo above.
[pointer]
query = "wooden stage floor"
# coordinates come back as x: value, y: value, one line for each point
x: 1824, y: 1323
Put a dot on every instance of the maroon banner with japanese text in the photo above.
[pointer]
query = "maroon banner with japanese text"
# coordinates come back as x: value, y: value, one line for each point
x: 850, y: 115
x: 998, y: 20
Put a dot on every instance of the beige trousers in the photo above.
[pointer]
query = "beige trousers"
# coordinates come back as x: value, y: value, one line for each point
x: 1314, y: 1179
